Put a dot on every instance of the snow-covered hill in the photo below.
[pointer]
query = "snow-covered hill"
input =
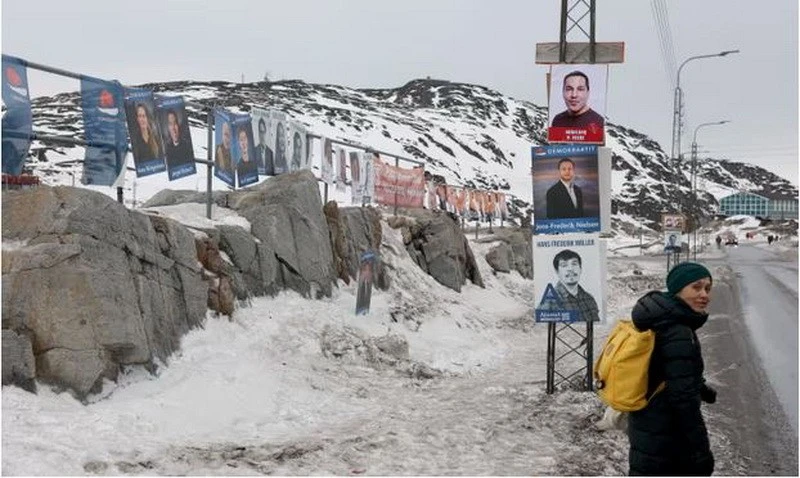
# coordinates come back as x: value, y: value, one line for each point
x: 469, y: 134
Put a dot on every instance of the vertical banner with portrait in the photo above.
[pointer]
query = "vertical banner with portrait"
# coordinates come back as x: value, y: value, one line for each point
x: 146, y: 142
x: 577, y: 103
x: 571, y: 188
x: 356, y: 186
x: 244, y: 150
x: 326, y: 164
x: 104, y: 122
x: 368, y: 176
x: 341, y: 170
x: 569, y: 278
x: 223, y: 143
x: 280, y: 138
x: 17, y: 119
x: 297, y: 147
x: 672, y: 240
x: 174, y: 124
x: 365, y: 277
x: 264, y: 143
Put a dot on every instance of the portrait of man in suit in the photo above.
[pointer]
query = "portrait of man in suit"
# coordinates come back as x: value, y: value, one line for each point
x: 564, y: 198
x: 263, y: 151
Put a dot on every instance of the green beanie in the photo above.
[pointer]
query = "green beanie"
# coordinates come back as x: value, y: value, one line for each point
x: 683, y: 274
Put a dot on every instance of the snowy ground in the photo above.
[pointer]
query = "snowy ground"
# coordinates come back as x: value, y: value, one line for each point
x: 256, y: 394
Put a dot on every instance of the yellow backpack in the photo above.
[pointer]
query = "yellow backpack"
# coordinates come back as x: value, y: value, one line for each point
x: 620, y: 372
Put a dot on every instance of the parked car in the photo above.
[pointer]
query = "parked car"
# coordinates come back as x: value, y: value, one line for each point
x: 731, y: 241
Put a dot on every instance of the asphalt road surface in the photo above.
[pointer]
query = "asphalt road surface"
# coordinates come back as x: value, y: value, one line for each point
x: 750, y: 346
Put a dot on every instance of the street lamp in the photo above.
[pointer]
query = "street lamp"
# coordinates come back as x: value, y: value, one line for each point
x: 677, y: 110
x: 694, y: 175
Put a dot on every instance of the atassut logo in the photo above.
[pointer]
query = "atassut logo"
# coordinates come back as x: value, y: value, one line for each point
x: 107, y: 105
x: 15, y: 81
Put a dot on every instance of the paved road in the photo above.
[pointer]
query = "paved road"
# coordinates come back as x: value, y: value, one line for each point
x: 768, y: 288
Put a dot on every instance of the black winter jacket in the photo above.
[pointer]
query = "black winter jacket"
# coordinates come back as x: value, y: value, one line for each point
x: 669, y: 437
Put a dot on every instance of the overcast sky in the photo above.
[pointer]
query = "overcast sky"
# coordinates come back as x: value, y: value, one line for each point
x: 384, y: 44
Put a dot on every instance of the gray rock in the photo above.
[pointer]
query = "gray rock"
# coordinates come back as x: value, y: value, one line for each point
x: 19, y: 364
x: 96, y: 286
x: 499, y: 258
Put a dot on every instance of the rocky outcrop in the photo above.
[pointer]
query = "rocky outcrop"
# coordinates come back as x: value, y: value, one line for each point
x: 288, y: 245
x: 95, y: 286
x: 436, y: 243
x: 514, y: 251
x: 358, y: 229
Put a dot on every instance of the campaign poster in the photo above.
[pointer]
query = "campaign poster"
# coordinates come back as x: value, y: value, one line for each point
x: 672, y: 240
x: 104, y: 123
x: 244, y: 150
x: 178, y: 148
x: 326, y: 165
x: 569, y: 278
x: 396, y: 186
x: 502, y: 208
x: 264, y: 142
x: 571, y: 189
x: 280, y: 138
x: 368, y: 176
x: 297, y: 147
x: 365, y: 278
x: 673, y: 222
x: 577, y: 103
x: 341, y: 170
x: 17, y: 122
x: 356, y: 186
x: 431, y: 200
x: 223, y: 147
x: 145, y: 135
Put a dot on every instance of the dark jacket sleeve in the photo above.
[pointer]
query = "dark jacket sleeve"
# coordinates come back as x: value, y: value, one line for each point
x: 682, y: 367
x: 550, y: 201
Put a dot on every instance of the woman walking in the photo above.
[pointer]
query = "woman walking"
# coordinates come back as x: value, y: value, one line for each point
x: 669, y: 437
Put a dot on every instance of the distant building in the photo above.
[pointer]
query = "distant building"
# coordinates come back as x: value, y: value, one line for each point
x: 762, y: 205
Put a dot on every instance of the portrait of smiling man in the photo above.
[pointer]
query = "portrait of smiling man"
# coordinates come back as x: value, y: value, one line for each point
x: 571, y: 296
x: 575, y: 90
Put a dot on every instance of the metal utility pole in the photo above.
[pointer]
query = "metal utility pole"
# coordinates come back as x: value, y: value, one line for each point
x: 695, y: 215
x: 677, y: 109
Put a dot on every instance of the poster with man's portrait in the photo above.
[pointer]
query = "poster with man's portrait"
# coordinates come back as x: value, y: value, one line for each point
x: 356, y: 185
x: 365, y: 278
x: 571, y: 189
x: 569, y: 278
x: 223, y: 147
x: 297, y: 147
x: 280, y: 138
x: 178, y: 148
x: 326, y: 165
x: 341, y: 170
x: 672, y: 240
x: 263, y: 137
x: 577, y: 103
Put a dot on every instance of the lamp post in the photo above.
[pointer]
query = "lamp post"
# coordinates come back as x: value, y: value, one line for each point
x: 694, y: 176
x: 677, y: 110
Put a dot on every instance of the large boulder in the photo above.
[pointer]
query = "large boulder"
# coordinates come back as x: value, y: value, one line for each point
x: 94, y: 285
x: 362, y: 232
x: 285, y: 215
x: 436, y: 243
x: 514, y: 251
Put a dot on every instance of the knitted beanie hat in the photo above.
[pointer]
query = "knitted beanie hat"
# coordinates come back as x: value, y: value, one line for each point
x: 683, y: 274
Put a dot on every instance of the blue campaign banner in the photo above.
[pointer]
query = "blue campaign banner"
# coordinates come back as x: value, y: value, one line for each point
x: 223, y: 139
x: 178, y: 149
x: 244, y: 150
x: 17, y: 120
x: 566, y: 189
x: 104, y: 123
x: 146, y: 142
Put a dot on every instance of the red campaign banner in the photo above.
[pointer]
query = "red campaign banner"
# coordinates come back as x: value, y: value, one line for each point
x: 592, y: 134
x: 399, y: 186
